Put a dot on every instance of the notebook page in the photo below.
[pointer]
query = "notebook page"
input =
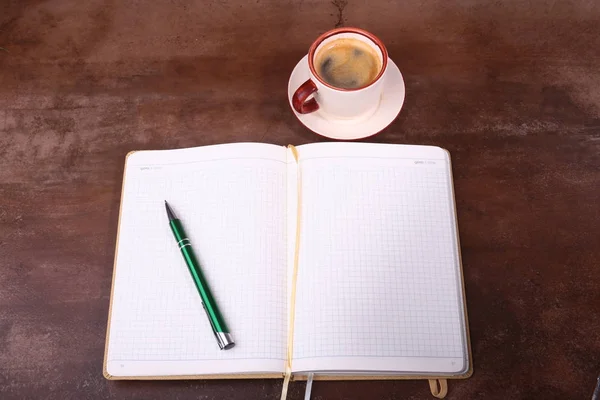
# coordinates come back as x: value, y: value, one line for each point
x: 379, y: 286
x: 231, y: 201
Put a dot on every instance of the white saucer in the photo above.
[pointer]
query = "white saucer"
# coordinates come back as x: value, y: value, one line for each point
x: 391, y: 103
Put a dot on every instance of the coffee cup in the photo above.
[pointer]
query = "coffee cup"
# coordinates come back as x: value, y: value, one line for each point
x: 346, y: 75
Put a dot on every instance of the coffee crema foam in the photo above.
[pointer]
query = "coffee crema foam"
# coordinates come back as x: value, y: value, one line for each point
x: 347, y: 63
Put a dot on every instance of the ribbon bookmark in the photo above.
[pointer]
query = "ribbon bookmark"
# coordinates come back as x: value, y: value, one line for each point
x: 309, y: 383
x: 439, y: 387
x: 290, y: 341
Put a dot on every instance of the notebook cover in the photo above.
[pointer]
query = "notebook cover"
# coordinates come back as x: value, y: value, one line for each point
x: 302, y: 376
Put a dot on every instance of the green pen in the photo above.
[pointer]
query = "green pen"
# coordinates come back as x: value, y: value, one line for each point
x: 217, y: 322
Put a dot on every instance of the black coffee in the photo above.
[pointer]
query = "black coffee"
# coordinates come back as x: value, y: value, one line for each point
x: 347, y: 63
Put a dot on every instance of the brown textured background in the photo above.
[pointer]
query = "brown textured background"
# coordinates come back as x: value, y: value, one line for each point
x: 510, y: 88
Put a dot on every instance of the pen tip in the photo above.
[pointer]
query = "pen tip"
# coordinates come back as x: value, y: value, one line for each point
x: 170, y: 212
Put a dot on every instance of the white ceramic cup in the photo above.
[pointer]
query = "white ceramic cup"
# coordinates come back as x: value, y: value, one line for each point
x: 339, y: 103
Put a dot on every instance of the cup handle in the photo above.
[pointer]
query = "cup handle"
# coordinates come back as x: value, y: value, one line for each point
x: 299, y: 100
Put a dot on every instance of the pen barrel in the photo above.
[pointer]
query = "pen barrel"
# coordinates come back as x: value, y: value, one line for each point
x: 208, y: 301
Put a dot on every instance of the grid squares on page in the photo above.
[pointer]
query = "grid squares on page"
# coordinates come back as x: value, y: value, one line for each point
x: 377, y: 273
x: 234, y: 214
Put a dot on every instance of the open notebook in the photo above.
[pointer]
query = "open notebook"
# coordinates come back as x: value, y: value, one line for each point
x: 336, y: 258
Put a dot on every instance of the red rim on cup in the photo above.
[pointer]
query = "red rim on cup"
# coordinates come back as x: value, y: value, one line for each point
x: 368, y: 35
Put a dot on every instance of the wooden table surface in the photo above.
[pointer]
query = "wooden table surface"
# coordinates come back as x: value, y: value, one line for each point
x: 510, y: 88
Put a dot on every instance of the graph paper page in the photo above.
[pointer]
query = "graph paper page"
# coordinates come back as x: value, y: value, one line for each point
x: 379, y: 286
x: 231, y: 201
